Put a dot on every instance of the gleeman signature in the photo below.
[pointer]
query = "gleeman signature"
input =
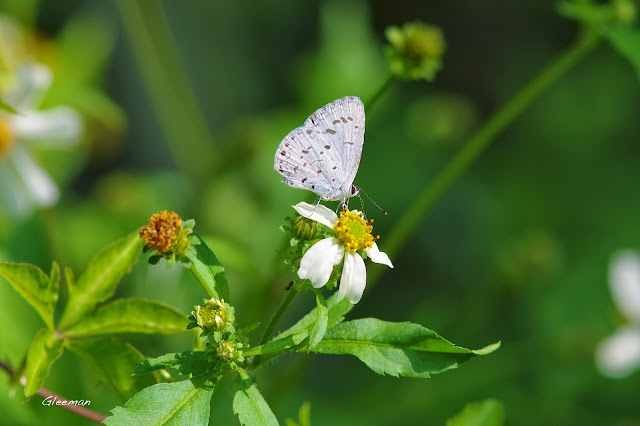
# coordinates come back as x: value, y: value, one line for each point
x: 53, y: 400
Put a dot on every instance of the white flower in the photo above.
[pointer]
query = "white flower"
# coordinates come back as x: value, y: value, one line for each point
x: 619, y: 355
x: 352, y: 233
x: 23, y: 183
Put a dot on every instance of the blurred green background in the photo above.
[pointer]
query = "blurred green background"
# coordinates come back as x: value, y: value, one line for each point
x: 517, y: 250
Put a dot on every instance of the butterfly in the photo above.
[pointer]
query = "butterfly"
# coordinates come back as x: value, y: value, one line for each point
x: 323, y: 155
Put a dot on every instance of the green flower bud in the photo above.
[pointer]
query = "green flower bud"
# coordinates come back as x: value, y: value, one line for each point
x: 304, y: 228
x: 415, y: 51
x: 214, y: 315
x: 229, y: 351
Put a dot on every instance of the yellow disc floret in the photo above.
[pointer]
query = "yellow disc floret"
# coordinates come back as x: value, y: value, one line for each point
x: 353, y: 231
x: 6, y: 138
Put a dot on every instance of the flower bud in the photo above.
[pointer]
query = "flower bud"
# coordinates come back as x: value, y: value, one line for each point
x: 415, y: 51
x: 214, y: 315
x: 229, y: 351
x: 304, y: 228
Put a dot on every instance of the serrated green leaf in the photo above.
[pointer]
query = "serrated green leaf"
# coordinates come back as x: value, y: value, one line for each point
x: 40, y: 291
x: 210, y: 272
x: 489, y: 412
x: 113, y: 362
x: 396, y: 349
x: 248, y: 403
x: 337, y: 311
x: 101, y: 278
x: 279, y: 344
x: 626, y: 41
x: 320, y: 326
x: 178, y: 403
x: 189, y: 362
x: 45, y: 349
x: 131, y: 316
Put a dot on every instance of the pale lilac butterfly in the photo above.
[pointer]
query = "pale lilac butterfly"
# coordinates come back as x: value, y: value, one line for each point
x: 323, y: 155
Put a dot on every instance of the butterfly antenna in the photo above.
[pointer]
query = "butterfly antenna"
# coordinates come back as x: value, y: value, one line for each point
x: 374, y: 203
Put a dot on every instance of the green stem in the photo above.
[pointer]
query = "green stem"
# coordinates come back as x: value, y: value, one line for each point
x: 385, y: 86
x: 171, y: 95
x: 483, y: 138
x: 288, y: 298
x: 271, y: 325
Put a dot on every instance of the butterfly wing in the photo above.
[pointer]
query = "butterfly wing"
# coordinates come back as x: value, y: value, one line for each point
x: 323, y: 155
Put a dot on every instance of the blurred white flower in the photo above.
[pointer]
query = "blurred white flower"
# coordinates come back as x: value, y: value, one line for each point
x: 24, y: 185
x: 353, y: 233
x: 619, y: 354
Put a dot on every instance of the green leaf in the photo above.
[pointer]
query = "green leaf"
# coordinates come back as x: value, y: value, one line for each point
x: 112, y: 361
x: 178, y: 403
x: 189, y: 362
x: 489, y: 412
x: 131, y: 316
x: 337, y: 311
x: 70, y: 280
x: 210, y: 272
x: 397, y: 349
x: 101, y: 278
x: 45, y: 349
x: 320, y: 326
x: 278, y: 345
x: 248, y: 403
x: 40, y: 291
x: 626, y: 41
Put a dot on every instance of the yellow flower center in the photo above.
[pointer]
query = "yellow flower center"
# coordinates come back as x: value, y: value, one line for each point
x: 161, y: 231
x: 353, y: 231
x: 6, y: 138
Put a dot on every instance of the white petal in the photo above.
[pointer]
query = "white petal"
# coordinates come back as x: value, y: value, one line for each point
x: 354, y: 278
x: 58, y: 126
x: 624, y: 282
x: 377, y: 256
x: 619, y: 355
x: 32, y: 81
x: 319, y: 213
x: 318, y: 262
x: 38, y: 185
x: 12, y: 193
